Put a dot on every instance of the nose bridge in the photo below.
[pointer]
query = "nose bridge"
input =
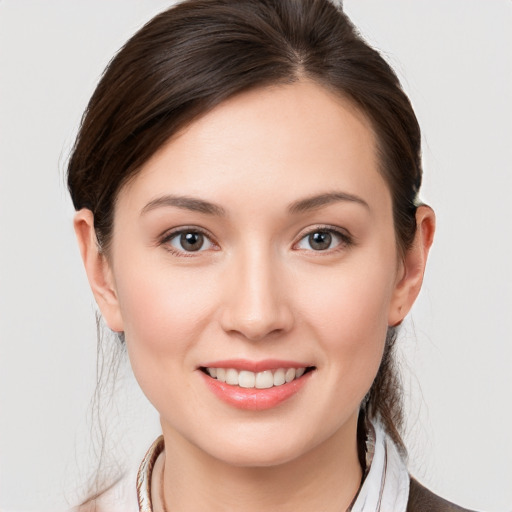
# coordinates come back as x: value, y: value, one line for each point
x: 256, y: 305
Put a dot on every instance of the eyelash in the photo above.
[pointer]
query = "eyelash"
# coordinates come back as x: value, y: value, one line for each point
x: 167, y: 237
x: 345, y: 240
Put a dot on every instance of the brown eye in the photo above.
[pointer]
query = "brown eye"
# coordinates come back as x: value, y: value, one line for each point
x: 320, y: 240
x: 188, y: 241
x: 323, y: 240
x: 191, y: 241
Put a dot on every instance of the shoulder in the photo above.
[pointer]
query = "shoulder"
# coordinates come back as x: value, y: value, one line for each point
x: 423, y: 500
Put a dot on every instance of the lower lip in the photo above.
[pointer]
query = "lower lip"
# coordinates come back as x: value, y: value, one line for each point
x: 255, y: 399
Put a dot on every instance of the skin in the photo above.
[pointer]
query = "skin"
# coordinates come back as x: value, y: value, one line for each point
x: 258, y: 290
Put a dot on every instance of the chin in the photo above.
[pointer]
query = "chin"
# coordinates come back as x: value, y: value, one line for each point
x: 255, y: 457
x: 263, y: 449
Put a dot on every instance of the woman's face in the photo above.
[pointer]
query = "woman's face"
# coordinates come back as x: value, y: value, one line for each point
x: 259, y: 242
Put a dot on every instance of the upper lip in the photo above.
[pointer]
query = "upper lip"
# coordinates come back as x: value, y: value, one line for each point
x: 255, y: 366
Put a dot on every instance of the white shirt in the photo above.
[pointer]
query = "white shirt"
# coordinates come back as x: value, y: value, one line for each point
x: 385, y: 488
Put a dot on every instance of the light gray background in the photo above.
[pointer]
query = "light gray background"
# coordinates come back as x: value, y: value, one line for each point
x: 455, y: 60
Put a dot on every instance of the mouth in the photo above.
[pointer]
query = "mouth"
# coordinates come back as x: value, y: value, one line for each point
x: 265, y: 379
x: 255, y: 386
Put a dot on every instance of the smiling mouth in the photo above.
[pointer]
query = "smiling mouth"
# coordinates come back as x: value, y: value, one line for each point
x: 256, y: 380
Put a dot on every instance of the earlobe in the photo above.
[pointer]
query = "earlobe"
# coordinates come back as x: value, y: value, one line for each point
x: 414, y: 262
x: 98, y: 269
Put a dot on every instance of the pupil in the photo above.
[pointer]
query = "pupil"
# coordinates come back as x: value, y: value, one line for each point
x: 320, y: 240
x: 191, y: 241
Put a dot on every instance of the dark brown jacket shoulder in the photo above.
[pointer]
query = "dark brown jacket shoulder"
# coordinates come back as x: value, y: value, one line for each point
x: 423, y: 500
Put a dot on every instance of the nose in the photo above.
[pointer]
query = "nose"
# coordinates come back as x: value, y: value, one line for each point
x: 257, y: 302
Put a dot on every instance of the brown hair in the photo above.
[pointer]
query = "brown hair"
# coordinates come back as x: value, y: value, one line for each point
x: 195, y: 55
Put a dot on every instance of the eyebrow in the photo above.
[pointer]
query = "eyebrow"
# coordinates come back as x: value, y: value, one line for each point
x: 320, y: 200
x: 208, y: 208
x: 185, y: 203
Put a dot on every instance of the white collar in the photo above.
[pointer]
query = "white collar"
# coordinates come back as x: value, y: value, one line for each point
x: 386, y: 486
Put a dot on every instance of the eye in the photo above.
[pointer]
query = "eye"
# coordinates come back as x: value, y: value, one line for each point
x: 188, y: 241
x: 323, y: 240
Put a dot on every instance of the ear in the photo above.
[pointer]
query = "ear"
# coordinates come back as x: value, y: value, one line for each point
x: 98, y: 269
x: 410, y: 278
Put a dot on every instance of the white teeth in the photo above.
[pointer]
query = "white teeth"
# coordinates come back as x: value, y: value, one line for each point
x: 279, y: 379
x: 232, y: 377
x: 246, y: 379
x: 290, y: 374
x: 261, y: 380
x: 264, y: 379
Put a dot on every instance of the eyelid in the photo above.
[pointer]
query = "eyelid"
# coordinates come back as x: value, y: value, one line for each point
x: 346, y: 238
x: 173, y: 232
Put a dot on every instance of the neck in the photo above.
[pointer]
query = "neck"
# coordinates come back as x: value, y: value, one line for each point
x: 325, y: 478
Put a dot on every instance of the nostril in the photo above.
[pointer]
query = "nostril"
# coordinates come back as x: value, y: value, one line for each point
x: 256, y: 316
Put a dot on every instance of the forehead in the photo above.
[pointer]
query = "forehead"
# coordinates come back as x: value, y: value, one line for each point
x: 281, y: 142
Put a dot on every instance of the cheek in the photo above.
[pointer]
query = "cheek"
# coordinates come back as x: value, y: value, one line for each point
x: 348, y: 309
x: 350, y: 301
x: 163, y: 313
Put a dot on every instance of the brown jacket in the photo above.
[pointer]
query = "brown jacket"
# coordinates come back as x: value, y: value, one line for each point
x: 423, y: 500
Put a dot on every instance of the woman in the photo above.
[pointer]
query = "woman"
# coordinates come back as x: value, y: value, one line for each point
x: 46, y: 293
x: 246, y: 183
x: 256, y: 289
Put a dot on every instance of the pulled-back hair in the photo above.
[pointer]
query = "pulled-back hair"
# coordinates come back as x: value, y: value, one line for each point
x: 197, y: 54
